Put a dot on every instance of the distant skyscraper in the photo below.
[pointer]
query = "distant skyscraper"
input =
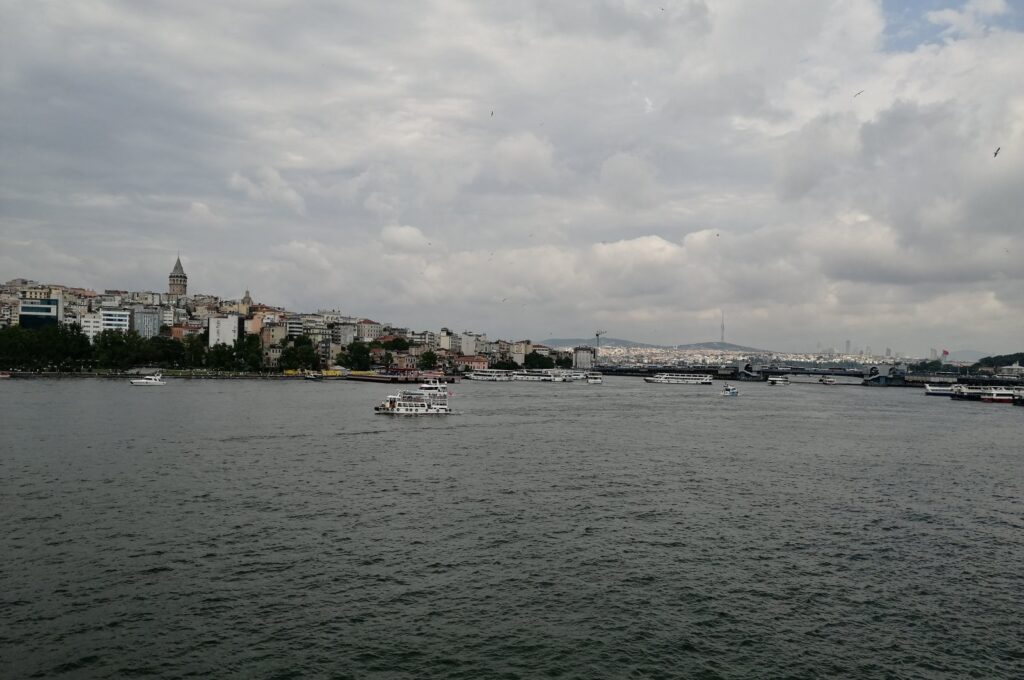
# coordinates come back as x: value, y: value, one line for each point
x: 177, y: 282
x: 888, y: 352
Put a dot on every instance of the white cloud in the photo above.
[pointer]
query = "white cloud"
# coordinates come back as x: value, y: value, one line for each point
x: 642, y: 169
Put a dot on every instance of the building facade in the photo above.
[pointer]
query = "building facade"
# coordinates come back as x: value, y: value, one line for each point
x: 224, y: 330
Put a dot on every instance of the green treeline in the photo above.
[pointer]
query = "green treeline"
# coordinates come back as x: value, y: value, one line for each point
x: 66, y: 348
x: 997, y: 361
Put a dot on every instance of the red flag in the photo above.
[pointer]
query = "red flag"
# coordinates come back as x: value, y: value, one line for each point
x: 945, y: 352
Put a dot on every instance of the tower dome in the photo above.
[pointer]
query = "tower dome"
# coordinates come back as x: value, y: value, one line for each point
x: 177, y: 282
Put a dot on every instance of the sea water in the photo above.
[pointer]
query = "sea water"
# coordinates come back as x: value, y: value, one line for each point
x: 263, y: 529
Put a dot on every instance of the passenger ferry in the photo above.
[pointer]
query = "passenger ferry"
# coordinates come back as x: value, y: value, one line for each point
x: 538, y: 375
x: 679, y: 379
x: 938, y: 390
x: 490, y: 375
x: 430, y: 399
x: 997, y: 395
x: 778, y: 380
x: 967, y: 392
x: 595, y: 378
x: 827, y: 380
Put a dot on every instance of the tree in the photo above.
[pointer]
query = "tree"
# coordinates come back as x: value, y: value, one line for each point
x: 221, y: 357
x: 428, y: 360
x: 387, y: 360
x: 120, y: 349
x: 249, y: 353
x: 56, y: 347
x: 300, y: 355
x: 564, y: 362
x: 505, y: 365
x: 356, y: 356
x: 397, y: 344
x: 535, y: 360
x: 165, y: 352
x: 195, y: 350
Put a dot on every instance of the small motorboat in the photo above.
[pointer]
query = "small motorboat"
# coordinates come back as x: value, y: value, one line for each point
x: 730, y: 391
x: 155, y: 379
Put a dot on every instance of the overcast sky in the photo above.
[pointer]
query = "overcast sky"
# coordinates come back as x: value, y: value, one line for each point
x: 533, y: 169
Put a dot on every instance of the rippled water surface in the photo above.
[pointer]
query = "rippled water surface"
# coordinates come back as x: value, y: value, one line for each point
x: 281, y: 529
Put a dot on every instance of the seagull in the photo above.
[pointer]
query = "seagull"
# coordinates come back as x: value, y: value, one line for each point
x: 859, y: 93
x: 997, y: 151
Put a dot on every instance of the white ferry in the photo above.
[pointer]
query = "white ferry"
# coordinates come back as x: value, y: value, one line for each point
x: 997, y: 395
x: 595, y: 378
x: 155, y: 379
x: 538, y: 375
x: 778, y: 380
x: 938, y: 390
x: 490, y: 375
x: 430, y: 399
x: 679, y: 379
x: 827, y: 380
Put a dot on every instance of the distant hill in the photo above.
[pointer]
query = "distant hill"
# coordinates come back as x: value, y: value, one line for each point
x: 966, y: 355
x: 720, y: 346
x: 605, y: 342
x: 617, y: 342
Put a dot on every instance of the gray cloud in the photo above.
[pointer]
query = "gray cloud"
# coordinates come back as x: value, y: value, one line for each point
x: 641, y: 170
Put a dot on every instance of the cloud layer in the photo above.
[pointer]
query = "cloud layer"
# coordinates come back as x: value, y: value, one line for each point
x: 532, y: 168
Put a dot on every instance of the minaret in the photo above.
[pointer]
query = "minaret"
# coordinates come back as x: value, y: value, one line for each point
x: 723, y: 326
x: 177, y: 282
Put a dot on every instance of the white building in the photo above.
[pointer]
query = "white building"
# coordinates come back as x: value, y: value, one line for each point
x: 224, y: 330
x: 449, y: 341
x: 95, y: 323
x: 369, y: 330
x: 92, y: 324
x: 584, y: 357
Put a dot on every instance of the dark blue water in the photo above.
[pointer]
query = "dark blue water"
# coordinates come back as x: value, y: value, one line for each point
x: 258, y: 529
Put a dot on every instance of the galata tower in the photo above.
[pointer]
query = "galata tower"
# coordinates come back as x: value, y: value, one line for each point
x: 177, y: 282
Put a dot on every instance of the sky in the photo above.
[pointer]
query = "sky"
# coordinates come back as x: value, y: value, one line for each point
x: 817, y: 170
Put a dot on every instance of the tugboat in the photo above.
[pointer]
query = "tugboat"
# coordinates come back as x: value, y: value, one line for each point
x: 430, y: 399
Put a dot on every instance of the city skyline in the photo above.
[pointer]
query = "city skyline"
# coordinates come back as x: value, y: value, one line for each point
x: 177, y: 289
x: 533, y: 170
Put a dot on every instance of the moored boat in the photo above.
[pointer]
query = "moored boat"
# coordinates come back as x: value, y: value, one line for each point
x: 490, y: 375
x: 155, y: 379
x: 997, y: 395
x: 938, y: 390
x: 967, y: 392
x: 778, y: 380
x: 679, y: 379
x: 594, y: 378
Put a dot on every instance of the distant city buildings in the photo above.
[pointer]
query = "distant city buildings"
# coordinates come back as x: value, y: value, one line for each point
x: 178, y: 315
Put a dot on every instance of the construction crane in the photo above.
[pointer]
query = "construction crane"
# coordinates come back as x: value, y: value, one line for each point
x: 598, y: 334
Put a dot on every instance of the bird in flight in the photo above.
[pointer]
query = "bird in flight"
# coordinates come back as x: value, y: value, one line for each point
x: 859, y: 93
x: 997, y: 151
